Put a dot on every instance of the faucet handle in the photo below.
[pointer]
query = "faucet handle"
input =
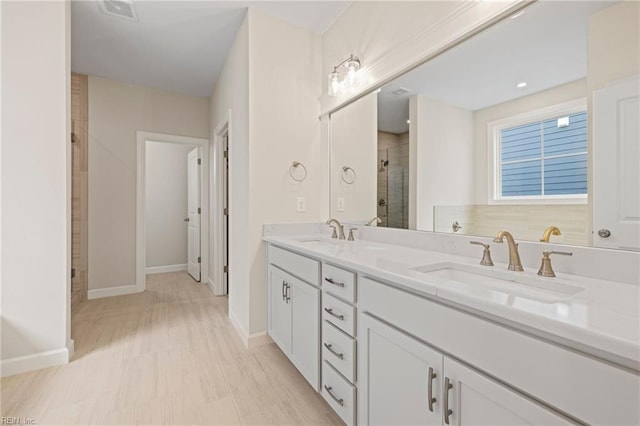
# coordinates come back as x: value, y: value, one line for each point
x: 350, y: 238
x: 545, y: 268
x: 486, y: 254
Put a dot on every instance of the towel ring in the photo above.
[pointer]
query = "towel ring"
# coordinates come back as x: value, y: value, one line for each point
x: 292, y: 169
x: 345, y: 169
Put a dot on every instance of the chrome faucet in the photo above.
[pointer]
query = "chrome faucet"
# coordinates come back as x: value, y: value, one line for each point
x: 514, y: 256
x: 339, y: 226
x: 375, y: 220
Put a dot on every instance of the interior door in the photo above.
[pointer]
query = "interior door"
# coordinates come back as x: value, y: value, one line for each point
x: 193, y: 209
x: 616, y: 155
x: 225, y: 213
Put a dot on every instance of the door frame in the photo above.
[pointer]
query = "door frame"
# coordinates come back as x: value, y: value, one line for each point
x: 203, y: 145
x: 223, y: 128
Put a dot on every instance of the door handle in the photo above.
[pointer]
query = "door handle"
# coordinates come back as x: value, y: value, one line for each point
x: 186, y: 219
x: 447, y: 410
x: 432, y: 375
x: 330, y: 312
x: 284, y: 294
x: 288, y: 287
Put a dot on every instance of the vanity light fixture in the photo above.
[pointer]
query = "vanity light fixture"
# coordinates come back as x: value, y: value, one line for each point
x: 521, y: 85
x: 352, y: 66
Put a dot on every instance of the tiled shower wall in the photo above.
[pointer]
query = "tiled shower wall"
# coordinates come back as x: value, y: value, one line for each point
x: 393, y: 179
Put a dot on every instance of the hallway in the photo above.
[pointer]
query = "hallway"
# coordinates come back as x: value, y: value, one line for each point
x: 168, y: 355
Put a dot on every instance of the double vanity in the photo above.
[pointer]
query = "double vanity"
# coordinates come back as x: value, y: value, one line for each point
x: 393, y: 334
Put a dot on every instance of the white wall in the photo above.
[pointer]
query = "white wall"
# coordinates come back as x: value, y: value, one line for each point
x: 270, y: 83
x: 284, y: 127
x: 441, y: 144
x: 554, y: 96
x: 116, y: 112
x: 355, y: 146
x: 36, y: 189
x: 230, y: 96
x: 166, y: 204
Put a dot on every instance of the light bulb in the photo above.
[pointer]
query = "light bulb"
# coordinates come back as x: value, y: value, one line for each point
x: 352, y: 68
x: 334, y: 83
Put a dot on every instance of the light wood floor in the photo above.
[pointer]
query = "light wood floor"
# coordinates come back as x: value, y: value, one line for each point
x: 165, y: 356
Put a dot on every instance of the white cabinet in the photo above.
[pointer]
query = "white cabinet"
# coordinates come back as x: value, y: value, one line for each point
x: 279, y: 309
x: 404, y: 381
x: 475, y: 399
x: 294, y: 321
x: 396, y: 376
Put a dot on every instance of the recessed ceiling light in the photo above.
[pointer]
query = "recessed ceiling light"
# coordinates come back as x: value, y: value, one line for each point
x: 521, y: 85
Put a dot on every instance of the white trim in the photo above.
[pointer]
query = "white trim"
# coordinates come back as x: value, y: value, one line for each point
x: 99, y: 293
x: 222, y: 128
x: 493, y: 153
x: 35, y: 361
x: 167, y: 268
x: 212, y: 286
x: 203, y: 144
x: 250, y: 341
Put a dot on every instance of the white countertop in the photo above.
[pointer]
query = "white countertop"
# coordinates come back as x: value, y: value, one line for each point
x: 602, y: 318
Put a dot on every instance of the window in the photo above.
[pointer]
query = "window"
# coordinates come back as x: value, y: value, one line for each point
x: 541, y: 156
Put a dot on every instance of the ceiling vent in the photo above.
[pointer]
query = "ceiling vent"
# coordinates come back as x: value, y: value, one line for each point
x: 120, y: 8
x: 401, y: 91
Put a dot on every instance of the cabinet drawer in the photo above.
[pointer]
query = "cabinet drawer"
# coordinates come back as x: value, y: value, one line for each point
x: 339, y: 350
x: 339, y: 313
x: 339, y: 282
x: 302, y: 267
x: 339, y: 393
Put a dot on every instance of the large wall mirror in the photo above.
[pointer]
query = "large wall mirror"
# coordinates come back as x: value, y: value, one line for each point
x: 530, y: 126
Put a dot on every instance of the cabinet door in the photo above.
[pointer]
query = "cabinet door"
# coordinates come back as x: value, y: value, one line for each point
x: 280, y: 309
x: 475, y: 399
x: 394, y: 383
x: 305, y: 325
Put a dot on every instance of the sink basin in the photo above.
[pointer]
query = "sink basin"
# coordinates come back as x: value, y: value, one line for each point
x: 499, y: 286
x: 320, y: 242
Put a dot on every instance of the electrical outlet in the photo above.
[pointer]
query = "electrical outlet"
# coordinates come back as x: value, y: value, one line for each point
x: 340, y: 204
x: 301, y: 204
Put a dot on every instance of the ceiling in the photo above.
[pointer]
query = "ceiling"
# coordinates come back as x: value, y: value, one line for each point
x: 545, y: 46
x: 178, y: 46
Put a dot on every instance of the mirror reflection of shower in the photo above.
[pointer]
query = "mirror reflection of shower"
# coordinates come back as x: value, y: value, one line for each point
x: 393, y: 179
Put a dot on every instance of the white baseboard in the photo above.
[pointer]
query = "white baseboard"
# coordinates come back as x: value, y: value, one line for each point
x: 35, y: 361
x: 112, y: 291
x: 166, y: 268
x: 216, y: 290
x: 250, y: 341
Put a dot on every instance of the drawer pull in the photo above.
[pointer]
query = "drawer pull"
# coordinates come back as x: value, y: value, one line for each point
x: 330, y: 312
x: 284, y: 293
x: 330, y: 348
x: 447, y: 411
x: 331, y: 281
x: 288, y: 286
x: 432, y: 375
x: 329, y: 390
